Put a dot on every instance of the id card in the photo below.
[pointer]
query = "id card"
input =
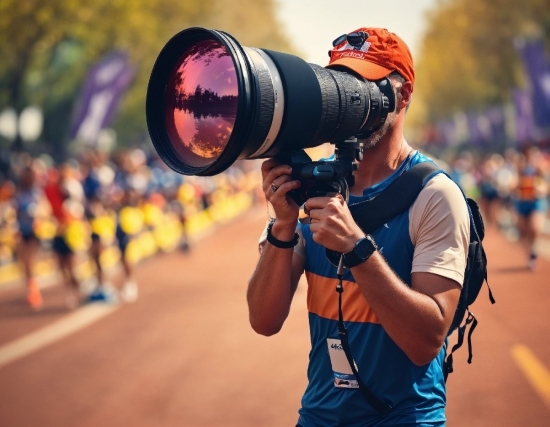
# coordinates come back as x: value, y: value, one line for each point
x: 343, y: 375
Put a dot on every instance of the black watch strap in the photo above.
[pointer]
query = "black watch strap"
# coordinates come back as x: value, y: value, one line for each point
x: 280, y: 243
x: 362, y: 251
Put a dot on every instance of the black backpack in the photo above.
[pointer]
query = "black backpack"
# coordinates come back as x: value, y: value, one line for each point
x: 394, y: 200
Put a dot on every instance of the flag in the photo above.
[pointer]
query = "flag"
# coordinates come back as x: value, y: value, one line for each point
x: 523, y: 116
x: 537, y: 67
x: 107, y: 81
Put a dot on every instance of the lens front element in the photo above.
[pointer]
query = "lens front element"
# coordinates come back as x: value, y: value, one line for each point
x: 201, y: 100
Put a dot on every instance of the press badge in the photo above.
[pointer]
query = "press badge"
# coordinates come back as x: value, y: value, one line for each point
x: 343, y: 375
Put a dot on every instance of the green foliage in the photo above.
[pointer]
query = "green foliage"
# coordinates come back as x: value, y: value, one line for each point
x: 468, y: 60
x: 48, y: 46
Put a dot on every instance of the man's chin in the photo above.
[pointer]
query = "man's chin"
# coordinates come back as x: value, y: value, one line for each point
x: 375, y: 138
x: 372, y: 140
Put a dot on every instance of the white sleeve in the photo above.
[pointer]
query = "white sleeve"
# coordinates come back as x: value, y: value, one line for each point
x: 439, y: 227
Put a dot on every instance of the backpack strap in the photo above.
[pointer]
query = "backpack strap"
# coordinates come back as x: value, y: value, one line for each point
x: 395, y: 199
x: 372, y: 214
x: 448, y: 362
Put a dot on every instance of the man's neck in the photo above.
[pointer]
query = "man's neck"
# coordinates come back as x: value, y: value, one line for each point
x: 380, y: 161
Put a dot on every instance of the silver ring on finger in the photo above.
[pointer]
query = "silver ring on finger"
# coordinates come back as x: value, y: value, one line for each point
x: 274, y: 188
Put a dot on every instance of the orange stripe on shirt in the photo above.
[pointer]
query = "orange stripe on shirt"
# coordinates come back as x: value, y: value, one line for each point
x: 322, y: 299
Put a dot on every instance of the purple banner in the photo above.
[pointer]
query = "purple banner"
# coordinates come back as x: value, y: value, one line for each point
x: 537, y: 68
x: 447, y: 132
x: 485, y: 128
x: 107, y: 81
x: 525, y: 129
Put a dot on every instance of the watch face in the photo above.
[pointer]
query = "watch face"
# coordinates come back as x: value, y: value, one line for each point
x: 361, y: 252
x: 365, y: 248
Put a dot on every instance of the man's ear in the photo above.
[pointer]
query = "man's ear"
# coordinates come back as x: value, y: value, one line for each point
x: 406, y: 95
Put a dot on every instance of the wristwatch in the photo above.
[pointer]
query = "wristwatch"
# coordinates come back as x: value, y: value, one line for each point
x: 362, y: 251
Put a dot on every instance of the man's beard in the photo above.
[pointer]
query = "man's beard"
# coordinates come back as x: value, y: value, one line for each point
x: 372, y: 140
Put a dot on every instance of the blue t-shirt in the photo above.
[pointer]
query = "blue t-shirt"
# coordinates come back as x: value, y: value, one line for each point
x: 416, y: 393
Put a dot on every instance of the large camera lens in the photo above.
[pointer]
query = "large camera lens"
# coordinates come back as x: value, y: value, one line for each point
x: 201, y: 103
x: 211, y: 101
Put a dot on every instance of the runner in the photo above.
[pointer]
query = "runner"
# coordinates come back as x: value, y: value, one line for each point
x: 530, y: 201
x: 65, y: 196
x: 30, y: 205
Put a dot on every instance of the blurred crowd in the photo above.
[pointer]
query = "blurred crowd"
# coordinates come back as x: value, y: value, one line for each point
x: 97, y: 210
x: 513, y: 192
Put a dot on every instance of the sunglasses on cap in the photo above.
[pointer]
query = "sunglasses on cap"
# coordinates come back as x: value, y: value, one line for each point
x: 354, y: 39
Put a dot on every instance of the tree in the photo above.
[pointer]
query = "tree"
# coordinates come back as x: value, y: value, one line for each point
x: 48, y: 46
x: 468, y: 60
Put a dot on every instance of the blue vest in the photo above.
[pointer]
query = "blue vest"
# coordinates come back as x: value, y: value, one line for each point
x: 417, y: 393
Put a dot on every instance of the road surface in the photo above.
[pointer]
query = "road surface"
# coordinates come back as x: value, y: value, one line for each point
x: 185, y: 355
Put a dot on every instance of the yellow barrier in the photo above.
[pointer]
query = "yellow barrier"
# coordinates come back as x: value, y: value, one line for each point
x: 165, y: 235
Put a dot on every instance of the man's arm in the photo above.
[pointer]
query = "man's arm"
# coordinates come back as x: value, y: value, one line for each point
x: 274, y: 281
x: 416, y: 318
x: 273, y: 284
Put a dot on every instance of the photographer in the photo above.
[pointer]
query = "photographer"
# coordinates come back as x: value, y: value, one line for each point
x: 399, y: 297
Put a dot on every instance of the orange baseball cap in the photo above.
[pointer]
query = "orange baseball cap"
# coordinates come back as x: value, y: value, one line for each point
x: 375, y: 56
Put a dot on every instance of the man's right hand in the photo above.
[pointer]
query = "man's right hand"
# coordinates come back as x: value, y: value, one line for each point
x: 277, y: 182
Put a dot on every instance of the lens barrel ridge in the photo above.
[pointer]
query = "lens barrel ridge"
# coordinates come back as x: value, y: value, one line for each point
x: 348, y: 98
x: 331, y: 119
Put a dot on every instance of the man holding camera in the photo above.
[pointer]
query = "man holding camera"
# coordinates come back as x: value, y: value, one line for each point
x: 401, y: 284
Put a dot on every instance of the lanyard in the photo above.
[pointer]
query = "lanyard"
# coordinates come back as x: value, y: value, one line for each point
x: 381, y: 407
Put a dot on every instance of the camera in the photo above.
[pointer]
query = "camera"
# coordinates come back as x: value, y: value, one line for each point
x: 211, y: 101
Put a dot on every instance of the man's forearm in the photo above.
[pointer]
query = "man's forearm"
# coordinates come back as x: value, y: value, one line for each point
x: 417, y: 320
x: 272, y: 286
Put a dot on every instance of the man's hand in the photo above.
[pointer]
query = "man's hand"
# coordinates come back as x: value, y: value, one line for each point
x: 277, y: 182
x: 332, y: 224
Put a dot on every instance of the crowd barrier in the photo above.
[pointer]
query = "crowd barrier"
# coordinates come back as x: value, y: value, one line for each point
x: 151, y: 230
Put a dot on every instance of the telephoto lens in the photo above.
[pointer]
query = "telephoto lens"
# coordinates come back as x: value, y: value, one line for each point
x: 211, y: 101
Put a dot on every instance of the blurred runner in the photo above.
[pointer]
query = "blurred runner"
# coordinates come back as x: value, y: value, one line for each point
x: 130, y: 184
x: 102, y: 222
x: 463, y: 172
x: 530, y: 200
x: 65, y: 196
x: 8, y: 222
x: 97, y: 181
x: 489, y: 188
x: 130, y: 222
x: 30, y: 204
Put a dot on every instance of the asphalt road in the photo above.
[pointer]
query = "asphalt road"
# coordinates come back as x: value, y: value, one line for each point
x: 185, y: 355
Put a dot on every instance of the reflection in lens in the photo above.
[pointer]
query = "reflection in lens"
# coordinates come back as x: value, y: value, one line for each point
x: 201, y: 103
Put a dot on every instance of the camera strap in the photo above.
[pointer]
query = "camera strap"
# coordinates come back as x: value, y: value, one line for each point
x: 381, y: 407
